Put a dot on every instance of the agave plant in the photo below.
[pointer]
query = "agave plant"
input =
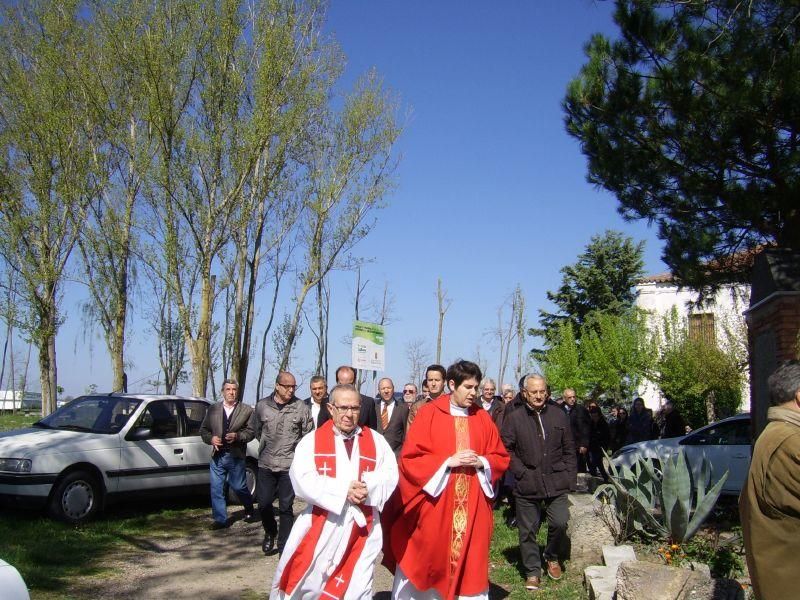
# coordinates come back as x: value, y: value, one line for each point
x: 663, y: 502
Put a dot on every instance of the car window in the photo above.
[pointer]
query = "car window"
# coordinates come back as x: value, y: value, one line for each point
x: 195, y: 413
x: 722, y: 434
x: 161, y: 418
x: 95, y: 414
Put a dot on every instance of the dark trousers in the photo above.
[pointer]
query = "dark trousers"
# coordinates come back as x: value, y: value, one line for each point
x: 581, y: 458
x: 267, y: 484
x: 529, y: 518
x: 596, y: 466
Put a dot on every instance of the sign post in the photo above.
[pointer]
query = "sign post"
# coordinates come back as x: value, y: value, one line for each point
x: 368, y: 346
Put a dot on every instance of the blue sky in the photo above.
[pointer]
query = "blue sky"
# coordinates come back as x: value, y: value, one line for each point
x: 491, y: 191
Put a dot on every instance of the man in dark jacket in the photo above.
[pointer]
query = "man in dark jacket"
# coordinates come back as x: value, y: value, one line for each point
x: 539, y: 440
x: 673, y: 424
x: 581, y: 426
x: 227, y: 427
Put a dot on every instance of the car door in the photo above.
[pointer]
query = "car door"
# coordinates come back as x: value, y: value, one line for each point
x: 196, y: 453
x: 726, y: 445
x: 153, y: 452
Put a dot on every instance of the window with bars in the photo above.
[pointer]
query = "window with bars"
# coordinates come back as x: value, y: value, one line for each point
x: 701, y: 328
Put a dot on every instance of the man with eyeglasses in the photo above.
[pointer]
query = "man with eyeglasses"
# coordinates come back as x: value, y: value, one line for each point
x: 281, y: 420
x: 345, y: 473
x: 346, y: 375
x: 409, y: 394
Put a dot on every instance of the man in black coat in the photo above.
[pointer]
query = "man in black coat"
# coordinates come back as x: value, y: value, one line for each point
x: 539, y: 440
x: 581, y: 426
x: 673, y: 424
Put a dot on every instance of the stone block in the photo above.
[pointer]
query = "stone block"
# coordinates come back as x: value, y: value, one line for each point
x: 614, y: 555
x: 586, y: 531
x: 597, y: 571
x: 648, y: 581
x: 601, y: 588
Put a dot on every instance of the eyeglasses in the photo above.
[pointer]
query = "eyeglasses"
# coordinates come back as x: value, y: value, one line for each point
x: 288, y: 386
x: 409, y: 392
x: 347, y: 409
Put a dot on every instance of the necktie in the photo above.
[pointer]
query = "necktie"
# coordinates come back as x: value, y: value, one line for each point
x: 384, y: 416
x: 348, y: 445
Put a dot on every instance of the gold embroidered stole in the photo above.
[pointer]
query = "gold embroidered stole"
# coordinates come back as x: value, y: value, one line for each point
x: 461, y: 496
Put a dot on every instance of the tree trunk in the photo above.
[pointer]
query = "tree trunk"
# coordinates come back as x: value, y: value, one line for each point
x: 200, y: 348
x: 711, y: 414
x: 47, y: 372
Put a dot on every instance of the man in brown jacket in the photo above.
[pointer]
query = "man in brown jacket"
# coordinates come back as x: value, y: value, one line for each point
x: 770, y: 502
x: 227, y: 427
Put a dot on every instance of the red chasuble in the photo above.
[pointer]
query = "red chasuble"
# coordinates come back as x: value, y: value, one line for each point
x: 443, y: 542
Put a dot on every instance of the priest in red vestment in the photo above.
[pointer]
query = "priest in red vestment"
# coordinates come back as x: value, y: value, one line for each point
x: 438, y: 524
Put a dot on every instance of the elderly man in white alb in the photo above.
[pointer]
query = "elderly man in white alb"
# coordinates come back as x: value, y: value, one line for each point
x: 345, y: 473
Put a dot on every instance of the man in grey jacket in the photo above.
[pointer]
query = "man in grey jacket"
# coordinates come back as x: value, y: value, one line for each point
x: 228, y: 427
x: 281, y: 420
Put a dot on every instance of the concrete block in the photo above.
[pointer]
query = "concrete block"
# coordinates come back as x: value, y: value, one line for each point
x: 614, y: 555
x: 602, y: 587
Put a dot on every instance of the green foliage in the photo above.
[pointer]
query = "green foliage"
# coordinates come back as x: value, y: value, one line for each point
x: 601, y: 280
x: 617, y: 353
x: 614, y: 353
x: 703, y: 379
x: 664, y: 503
x: 725, y: 559
x: 561, y: 363
x: 689, y: 118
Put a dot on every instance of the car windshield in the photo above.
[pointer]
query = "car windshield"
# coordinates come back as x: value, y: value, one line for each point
x: 93, y: 414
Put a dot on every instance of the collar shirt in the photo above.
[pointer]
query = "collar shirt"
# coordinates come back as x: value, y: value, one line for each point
x: 389, y: 406
x: 315, y: 408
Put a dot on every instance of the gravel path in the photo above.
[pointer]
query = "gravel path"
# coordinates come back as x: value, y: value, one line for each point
x: 204, y: 565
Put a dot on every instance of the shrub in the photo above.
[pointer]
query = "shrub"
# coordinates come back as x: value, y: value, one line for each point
x: 659, y: 503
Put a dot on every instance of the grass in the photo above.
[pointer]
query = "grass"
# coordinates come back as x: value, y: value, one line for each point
x: 49, y: 554
x: 504, y: 569
x: 9, y: 420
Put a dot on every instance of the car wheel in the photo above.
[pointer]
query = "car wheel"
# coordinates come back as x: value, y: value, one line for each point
x: 250, y: 472
x: 76, y: 497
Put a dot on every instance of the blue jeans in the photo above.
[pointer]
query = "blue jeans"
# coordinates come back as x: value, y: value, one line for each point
x: 226, y: 466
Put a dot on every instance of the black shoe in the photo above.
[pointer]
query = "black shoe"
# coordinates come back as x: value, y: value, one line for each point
x: 512, y: 522
x: 268, y: 545
x: 250, y: 517
x: 216, y: 525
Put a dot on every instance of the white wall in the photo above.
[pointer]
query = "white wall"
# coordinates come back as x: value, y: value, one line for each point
x: 727, y: 305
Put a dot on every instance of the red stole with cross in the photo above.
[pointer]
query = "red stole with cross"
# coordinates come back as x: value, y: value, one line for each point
x: 300, y: 561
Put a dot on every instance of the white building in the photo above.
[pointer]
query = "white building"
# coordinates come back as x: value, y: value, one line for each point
x: 722, y: 313
x: 16, y: 400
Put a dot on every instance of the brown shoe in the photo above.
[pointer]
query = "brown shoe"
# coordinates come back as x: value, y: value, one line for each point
x: 553, y: 569
x: 532, y: 583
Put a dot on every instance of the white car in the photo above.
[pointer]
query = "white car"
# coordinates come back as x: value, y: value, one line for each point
x: 101, y: 447
x: 11, y: 583
x: 726, y: 444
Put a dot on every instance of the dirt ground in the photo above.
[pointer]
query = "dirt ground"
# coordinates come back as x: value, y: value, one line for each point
x: 205, y: 565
